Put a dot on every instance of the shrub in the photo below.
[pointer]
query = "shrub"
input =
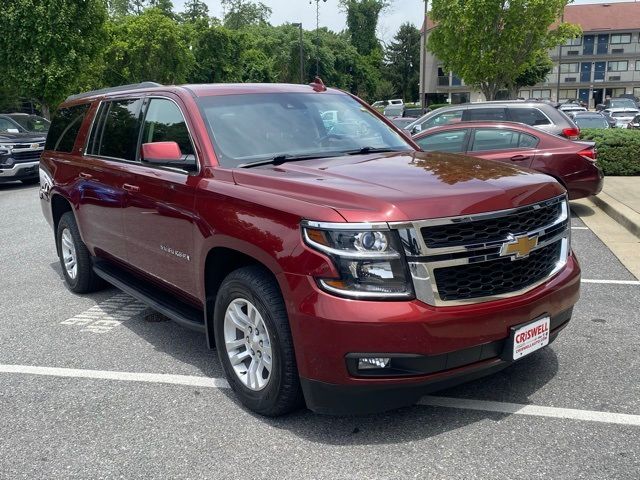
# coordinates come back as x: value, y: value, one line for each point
x: 433, y: 106
x: 618, y: 149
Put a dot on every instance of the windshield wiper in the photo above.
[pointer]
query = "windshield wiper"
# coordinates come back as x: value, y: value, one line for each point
x: 365, y: 150
x: 280, y: 159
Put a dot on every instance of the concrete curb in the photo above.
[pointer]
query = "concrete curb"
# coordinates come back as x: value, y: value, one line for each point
x: 625, y: 216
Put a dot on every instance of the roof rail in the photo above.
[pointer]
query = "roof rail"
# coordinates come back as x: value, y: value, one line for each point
x: 120, y: 88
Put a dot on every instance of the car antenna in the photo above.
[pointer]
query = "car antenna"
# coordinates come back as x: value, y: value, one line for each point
x: 318, y: 85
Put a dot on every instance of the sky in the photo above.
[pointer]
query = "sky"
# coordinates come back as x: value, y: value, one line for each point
x: 294, y: 11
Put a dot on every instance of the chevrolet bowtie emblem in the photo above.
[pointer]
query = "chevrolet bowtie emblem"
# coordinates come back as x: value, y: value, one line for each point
x: 519, y: 247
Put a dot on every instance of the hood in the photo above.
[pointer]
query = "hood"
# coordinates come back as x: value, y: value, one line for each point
x: 403, y: 186
x: 25, y: 137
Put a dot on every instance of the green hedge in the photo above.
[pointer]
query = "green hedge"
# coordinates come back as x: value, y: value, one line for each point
x: 618, y: 149
x: 433, y: 106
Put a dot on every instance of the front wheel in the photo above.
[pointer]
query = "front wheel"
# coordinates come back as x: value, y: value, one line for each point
x: 254, y: 342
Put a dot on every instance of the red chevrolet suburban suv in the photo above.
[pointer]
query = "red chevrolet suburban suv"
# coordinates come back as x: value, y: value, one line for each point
x: 325, y: 256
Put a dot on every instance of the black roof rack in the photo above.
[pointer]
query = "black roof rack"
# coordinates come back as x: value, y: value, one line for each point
x: 120, y: 88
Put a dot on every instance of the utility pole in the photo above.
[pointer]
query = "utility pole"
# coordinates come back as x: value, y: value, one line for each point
x: 317, y: 33
x: 423, y: 60
x: 559, y: 64
x: 299, y: 25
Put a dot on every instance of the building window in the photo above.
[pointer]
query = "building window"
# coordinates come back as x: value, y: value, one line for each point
x: 525, y: 94
x: 636, y: 91
x: 618, y: 91
x: 569, y: 67
x: 540, y: 93
x: 572, y: 42
x: 638, y: 65
x: 619, y: 66
x: 568, y: 94
x: 620, y: 38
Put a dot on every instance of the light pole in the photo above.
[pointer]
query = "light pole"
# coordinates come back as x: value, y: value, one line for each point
x: 317, y: 33
x: 559, y: 64
x: 423, y: 60
x: 299, y: 25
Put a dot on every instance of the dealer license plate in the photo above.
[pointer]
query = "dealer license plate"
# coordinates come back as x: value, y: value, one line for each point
x: 530, y: 337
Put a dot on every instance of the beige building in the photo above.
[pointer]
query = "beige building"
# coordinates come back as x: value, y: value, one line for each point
x: 605, y: 61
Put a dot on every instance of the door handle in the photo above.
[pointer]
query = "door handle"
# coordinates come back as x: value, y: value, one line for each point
x: 131, y: 188
x: 519, y: 158
x: 86, y: 176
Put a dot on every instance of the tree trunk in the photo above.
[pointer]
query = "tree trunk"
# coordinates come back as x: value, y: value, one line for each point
x: 489, y: 89
x: 46, y: 111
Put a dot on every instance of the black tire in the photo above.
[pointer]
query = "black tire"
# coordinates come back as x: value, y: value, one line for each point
x: 86, y: 280
x: 30, y: 181
x: 282, y: 394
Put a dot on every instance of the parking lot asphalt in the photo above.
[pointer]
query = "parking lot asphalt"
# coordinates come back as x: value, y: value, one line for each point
x: 97, y: 387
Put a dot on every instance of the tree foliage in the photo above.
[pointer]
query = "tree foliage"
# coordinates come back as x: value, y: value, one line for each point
x: 45, y: 43
x: 490, y: 43
x: 147, y: 47
x: 402, y: 60
x: 245, y: 13
x: 362, y: 22
x: 195, y: 10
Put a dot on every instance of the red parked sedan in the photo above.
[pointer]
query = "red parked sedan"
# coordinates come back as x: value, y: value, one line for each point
x: 571, y: 163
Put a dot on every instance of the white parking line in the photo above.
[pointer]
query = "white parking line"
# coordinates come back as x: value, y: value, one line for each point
x: 579, y: 228
x: 534, y: 410
x: 615, y: 282
x: 189, y: 380
x: 208, y: 382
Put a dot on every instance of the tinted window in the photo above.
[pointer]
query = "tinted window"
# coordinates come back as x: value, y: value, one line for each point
x: 501, y: 139
x: 590, y: 122
x: 529, y: 116
x: 65, y: 127
x: 116, y: 130
x: 485, y: 114
x: 451, y: 141
x: 164, y: 123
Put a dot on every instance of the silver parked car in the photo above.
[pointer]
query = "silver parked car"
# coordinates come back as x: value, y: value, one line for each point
x: 535, y: 114
x: 622, y: 116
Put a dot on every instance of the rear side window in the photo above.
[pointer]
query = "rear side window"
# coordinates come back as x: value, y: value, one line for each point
x: 529, y: 116
x: 485, y: 114
x: 65, y: 127
x: 450, y: 141
x: 444, y: 118
x: 501, y: 139
x: 115, y: 131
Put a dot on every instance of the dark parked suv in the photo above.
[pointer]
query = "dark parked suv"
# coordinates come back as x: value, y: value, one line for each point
x: 535, y: 114
x: 19, y: 152
x: 329, y: 262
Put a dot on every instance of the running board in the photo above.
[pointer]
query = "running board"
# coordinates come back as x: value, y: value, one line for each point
x: 180, y: 312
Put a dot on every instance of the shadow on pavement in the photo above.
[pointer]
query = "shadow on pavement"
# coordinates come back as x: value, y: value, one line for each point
x: 578, y: 210
x: 7, y: 186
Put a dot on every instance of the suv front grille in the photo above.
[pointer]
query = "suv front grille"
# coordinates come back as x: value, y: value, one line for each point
x: 29, y: 156
x: 482, y: 257
x: 496, y: 277
x: 491, y: 229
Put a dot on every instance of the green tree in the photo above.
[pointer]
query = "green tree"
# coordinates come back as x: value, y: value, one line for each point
x: 402, y: 58
x: 489, y: 43
x: 165, y: 6
x: 195, y: 10
x: 45, y: 43
x: 534, y: 73
x: 362, y: 21
x: 147, y: 47
x: 245, y: 13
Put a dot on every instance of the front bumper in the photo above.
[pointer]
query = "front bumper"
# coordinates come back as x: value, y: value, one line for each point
x: 327, y: 398
x: 19, y: 171
x: 326, y: 329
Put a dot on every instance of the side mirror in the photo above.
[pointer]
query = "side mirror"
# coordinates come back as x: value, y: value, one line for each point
x: 161, y: 152
x: 416, y: 129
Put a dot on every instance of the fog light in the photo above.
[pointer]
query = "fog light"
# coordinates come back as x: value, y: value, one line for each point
x: 369, y: 363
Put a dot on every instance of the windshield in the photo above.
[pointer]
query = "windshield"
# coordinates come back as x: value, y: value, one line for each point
x: 591, y: 122
x: 7, y: 125
x: 33, y: 123
x: 255, y: 127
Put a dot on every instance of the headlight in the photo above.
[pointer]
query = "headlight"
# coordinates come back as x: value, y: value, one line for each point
x: 367, y: 256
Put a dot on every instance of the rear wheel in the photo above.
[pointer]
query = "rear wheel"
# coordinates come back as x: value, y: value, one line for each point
x: 75, y: 258
x: 254, y: 342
